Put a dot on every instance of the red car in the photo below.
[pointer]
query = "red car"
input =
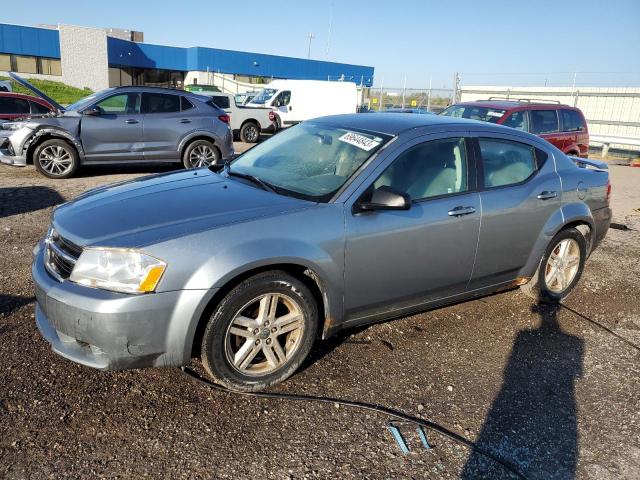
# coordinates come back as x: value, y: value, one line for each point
x: 561, y: 125
x: 16, y: 105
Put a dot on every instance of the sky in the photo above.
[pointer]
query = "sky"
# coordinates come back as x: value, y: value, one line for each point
x: 516, y: 42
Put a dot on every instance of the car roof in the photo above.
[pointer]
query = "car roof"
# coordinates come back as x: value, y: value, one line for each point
x: 393, y: 123
x: 509, y: 104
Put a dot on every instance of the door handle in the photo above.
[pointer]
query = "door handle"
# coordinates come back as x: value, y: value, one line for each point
x: 185, y: 120
x: 131, y: 121
x: 459, y: 211
x: 547, y: 195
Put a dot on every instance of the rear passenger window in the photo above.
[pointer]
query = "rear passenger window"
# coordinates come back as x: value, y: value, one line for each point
x: 517, y: 120
x: 13, y: 105
x: 431, y: 169
x: 160, y: 103
x: 571, y: 121
x: 221, y: 102
x: 185, y: 104
x: 505, y: 162
x: 543, y: 121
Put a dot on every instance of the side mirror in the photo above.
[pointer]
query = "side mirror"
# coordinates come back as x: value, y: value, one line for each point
x: 92, y: 111
x: 384, y: 198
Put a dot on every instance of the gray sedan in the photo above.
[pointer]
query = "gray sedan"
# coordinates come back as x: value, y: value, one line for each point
x: 120, y: 125
x: 337, y: 222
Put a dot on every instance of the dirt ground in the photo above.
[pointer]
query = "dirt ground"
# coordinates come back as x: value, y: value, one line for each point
x: 543, y: 388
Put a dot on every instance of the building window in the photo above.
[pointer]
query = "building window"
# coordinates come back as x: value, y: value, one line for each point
x: 145, y: 76
x: 50, y: 66
x: 26, y: 64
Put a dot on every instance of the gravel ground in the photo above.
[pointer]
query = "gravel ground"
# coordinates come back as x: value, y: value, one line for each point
x: 541, y: 387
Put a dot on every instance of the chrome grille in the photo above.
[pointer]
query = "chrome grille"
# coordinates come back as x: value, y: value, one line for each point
x: 60, y: 255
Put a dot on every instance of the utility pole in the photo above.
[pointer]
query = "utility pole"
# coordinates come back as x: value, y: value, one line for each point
x: 310, y: 36
x: 404, y: 89
x: 456, y: 87
x: 429, y: 94
x: 380, y: 100
x: 329, y: 35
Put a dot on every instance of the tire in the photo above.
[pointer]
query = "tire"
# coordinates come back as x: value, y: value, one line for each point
x: 544, y: 286
x: 56, y: 158
x: 250, y: 132
x: 201, y: 153
x: 245, y: 350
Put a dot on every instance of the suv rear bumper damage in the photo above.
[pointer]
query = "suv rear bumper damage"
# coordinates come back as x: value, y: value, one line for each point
x: 114, y: 331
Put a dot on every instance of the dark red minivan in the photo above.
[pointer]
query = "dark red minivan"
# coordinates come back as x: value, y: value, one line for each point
x: 561, y: 125
x: 16, y: 105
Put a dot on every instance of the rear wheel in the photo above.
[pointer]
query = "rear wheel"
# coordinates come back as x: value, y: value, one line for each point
x: 260, y: 332
x: 250, y: 132
x: 56, y: 158
x: 201, y: 153
x: 560, y: 268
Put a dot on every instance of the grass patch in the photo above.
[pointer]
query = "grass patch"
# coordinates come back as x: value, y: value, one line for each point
x: 61, y: 93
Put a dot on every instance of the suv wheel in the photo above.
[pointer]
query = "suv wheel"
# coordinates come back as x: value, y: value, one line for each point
x: 56, y: 158
x: 201, y: 153
x: 250, y: 132
x: 560, y: 268
x: 260, y: 332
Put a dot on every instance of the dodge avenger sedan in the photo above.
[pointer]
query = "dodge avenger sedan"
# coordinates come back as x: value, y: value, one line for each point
x: 336, y: 222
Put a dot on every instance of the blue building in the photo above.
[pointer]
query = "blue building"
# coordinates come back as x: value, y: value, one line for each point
x: 97, y: 58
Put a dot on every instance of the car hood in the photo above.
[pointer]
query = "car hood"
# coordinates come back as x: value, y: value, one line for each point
x: 39, y: 93
x: 160, y: 207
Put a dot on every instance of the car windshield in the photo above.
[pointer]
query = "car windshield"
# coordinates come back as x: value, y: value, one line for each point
x: 474, y: 112
x: 309, y: 161
x: 85, y: 101
x: 264, y: 96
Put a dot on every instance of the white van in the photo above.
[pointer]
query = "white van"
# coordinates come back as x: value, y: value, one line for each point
x: 297, y: 100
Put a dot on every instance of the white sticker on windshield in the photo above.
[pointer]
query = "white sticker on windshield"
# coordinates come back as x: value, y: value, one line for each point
x: 360, y: 141
x: 494, y: 114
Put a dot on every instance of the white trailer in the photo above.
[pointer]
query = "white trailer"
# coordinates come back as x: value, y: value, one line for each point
x: 295, y: 101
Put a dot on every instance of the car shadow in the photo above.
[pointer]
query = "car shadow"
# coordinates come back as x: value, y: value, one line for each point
x: 532, y: 421
x: 9, y: 303
x: 17, y: 200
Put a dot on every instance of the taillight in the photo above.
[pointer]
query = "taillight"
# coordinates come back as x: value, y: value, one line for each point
x: 608, y: 191
x: 272, y: 116
x: 224, y: 118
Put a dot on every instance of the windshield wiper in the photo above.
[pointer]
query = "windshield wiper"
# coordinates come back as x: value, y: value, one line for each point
x: 257, y: 180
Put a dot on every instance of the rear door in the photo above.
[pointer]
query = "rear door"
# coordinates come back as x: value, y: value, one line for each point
x: 545, y: 123
x: 520, y: 191
x: 166, y: 122
x: 116, y: 132
x: 574, y: 126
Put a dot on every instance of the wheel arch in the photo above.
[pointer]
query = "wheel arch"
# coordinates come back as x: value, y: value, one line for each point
x: 193, y: 137
x: 45, y: 134
x: 302, y: 272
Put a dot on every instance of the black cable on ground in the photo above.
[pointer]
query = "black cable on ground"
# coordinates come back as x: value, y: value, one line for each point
x: 597, y: 324
x: 391, y: 412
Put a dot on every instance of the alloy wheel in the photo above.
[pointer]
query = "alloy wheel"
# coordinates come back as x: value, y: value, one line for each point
x: 55, y: 160
x: 251, y: 133
x: 202, y: 156
x: 264, y: 334
x: 562, y: 265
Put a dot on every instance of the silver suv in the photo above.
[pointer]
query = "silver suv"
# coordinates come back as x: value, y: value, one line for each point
x: 122, y: 124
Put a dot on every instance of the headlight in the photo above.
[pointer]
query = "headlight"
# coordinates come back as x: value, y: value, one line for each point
x: 13, y: 125
x: 120, y: 270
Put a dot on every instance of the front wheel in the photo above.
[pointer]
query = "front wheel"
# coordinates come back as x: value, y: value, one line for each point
x: 260, y: 332
x: 56, y: 158
x: 201, y: 153
x: 560, y: 269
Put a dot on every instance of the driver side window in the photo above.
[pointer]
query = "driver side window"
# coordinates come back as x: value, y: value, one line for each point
x: 283, y: 99
x: 126, y: 103
x: 430, y: 169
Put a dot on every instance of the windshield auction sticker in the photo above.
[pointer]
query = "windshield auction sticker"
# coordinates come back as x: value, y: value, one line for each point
x: 360, y: 141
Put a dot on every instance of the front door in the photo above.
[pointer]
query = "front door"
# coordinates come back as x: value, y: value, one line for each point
x: 399, y: 259
x: 520, y: 191
x: 284, y: 108
x: 115, y: 132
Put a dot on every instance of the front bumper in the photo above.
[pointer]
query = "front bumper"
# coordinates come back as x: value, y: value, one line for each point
x: 114, y: 331
x: 8, y: 147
